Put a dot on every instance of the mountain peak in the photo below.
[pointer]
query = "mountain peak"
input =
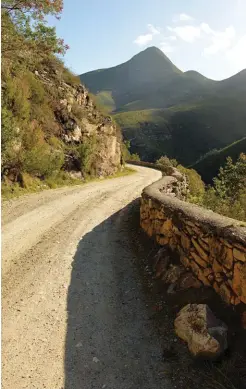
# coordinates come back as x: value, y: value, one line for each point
x: 155, y: 61
x: 153, y: 49
x: 150, y: 66
x: 153, y: 52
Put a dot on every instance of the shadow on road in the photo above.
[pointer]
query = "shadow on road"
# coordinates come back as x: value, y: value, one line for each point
x: 110, y: 340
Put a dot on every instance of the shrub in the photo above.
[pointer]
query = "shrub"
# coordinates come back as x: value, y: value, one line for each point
x: 174, y: 162
x: 231, y: 178
x: 37, y: 91
x: 126, y: 155
x: 196, y: 185
x: 134, y: 157
x: 164, y: 161
x: 84, y: 154
x: 7, y: 133
x: 70, y: 78
x: 228, y: 195
x: 125, y: 146
x: 55, y: 143
x: 166, y: 164
x: 16, y: 97
x: 29, y: 182
x: 234, y: 209
x: 78, y: 111
x: 42, y: 160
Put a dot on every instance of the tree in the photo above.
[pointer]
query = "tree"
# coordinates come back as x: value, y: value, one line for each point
x: 24, y: 27
x: 231, y: 179
x: 37, y: 9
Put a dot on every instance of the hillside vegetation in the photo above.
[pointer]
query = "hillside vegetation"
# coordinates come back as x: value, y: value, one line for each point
x: 226, y: 195
x: 164, y: 110
x: 208, y: 166
x: 50, y: 124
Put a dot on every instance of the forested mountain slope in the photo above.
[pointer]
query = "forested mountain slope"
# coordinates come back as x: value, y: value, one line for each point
x: 163, y: 110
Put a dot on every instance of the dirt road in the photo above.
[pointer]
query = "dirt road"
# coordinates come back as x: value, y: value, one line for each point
x: 74, y: 316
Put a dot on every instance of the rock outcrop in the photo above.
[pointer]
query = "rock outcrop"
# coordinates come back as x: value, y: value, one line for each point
x: 79, y: 121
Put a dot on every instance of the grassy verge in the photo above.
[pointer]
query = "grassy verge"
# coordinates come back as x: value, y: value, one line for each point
x: 34, y: 185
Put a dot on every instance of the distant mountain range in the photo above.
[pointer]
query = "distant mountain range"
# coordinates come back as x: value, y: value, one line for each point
x: 163, y: 110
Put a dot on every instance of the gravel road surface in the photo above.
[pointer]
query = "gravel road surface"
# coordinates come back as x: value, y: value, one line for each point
x: 74, y: 314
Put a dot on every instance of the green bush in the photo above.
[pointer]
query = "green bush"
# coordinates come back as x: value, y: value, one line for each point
x: 7, y: 134
x: 85, y: 153
x: 231, y: 178
x: 126, y: 155
x: 70, y: 78
x: 235, y: 209
x: 125, y: 146
x: 42, y: 160
x: 37, y: 90
x: 228, y: 195
x: 164, y: 161
x: 60, y: 179
x: 174, y: 162
x: 134, y: 157
x: 16, y: 97
x: 196, y: 185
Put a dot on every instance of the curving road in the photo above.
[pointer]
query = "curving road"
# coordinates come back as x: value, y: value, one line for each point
x: 74, y: 316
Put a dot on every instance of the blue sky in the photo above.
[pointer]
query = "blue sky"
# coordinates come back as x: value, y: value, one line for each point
x: 204, y: 35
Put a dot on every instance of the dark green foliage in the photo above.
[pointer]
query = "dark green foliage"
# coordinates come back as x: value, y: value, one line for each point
x: 134, y: 157
x: 209, y: 165
x: 126, y: 155
x: 231, y: 179
x: 228, y: 195
x: 83, y: 155
x: 7, y: 134
x: 196, y: 185
x: 125, y: 150
x: 42, y: 160
x: 86, y: 154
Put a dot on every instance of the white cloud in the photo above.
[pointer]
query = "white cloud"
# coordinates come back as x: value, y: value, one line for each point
x: 187, y: 33
x: 170, y: 38
x: 182, y: 18
x: 143, y: 40
x: 205, y: 28
x: 215, y: 41
x: 185, y: 17
x: 153, y: 30
x: 237, y: 54
x: 221, y: 41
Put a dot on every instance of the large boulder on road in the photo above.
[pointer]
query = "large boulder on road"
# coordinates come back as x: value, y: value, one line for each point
x: 205, y: 334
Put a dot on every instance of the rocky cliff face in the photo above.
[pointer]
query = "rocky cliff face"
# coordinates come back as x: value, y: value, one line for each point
x: 81, y: 122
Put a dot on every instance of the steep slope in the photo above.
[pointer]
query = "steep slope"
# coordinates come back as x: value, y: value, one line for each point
x: 208, y: 167
x: 50, y: 124
x: 165, y: 111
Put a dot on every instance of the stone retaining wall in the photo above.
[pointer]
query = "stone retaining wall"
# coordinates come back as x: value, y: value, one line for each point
x: 211, y: 245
